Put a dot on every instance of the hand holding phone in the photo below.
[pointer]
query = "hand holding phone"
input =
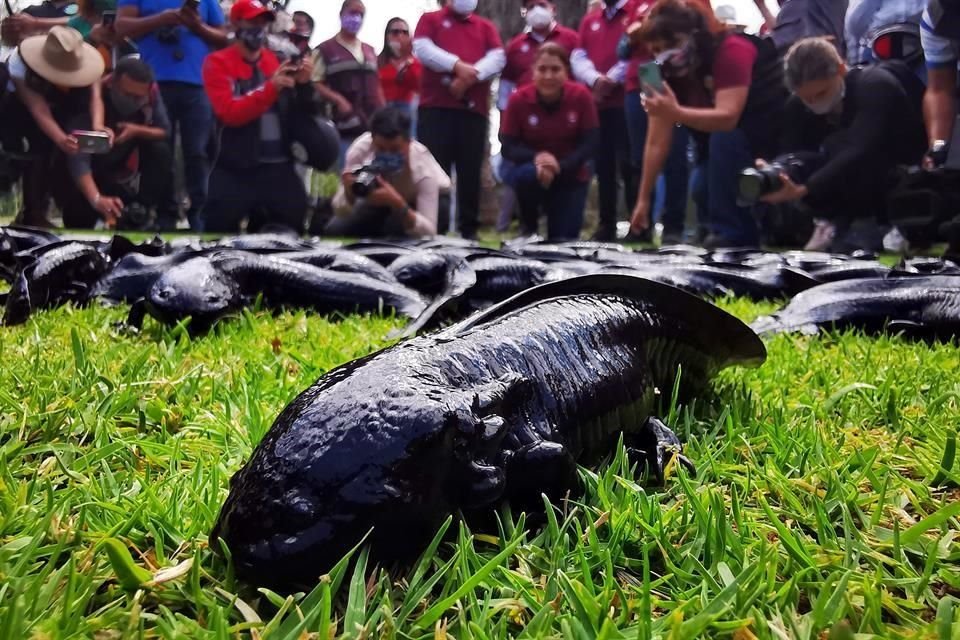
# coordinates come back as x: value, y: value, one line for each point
x: 93, y: 142
x: 108, y: 18
x: 651, y: 78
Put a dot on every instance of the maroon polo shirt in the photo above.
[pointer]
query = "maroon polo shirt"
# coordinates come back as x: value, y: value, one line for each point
x: 470, y: 39
x: 599, y: 37
x: 522, y: 51
x: 557, y: 129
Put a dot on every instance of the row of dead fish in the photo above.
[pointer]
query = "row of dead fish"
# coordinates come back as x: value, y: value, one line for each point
x: 443, y: 280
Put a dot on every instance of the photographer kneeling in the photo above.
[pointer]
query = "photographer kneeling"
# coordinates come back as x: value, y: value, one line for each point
x: 862, y: 123
x: 136, y: 174
x: 255, y: 100
x: 391, y: 185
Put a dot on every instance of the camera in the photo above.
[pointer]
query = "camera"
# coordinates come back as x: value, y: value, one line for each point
x: 756, y: 183
x: 135, y: 217
x: 365, y: 180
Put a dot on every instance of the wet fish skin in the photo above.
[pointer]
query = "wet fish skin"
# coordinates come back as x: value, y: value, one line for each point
x: 499, y: 407
x: 918, y: 306
x: 196, y: 289
x: 62, y: 274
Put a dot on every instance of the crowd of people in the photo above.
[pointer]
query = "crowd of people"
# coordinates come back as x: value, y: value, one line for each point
x: 795, y: 135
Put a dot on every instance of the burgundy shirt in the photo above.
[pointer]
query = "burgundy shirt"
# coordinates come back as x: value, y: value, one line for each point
x: 732, y: 67
x: 556, y: 129
x: 599, y: 38
x: 522, y: 51
x: 470, y: 39
x: 641, y: 55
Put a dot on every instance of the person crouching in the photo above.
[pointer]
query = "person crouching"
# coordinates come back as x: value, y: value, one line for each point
x: 253, y: 96
x: 391, y: 185
x: 549, y: 134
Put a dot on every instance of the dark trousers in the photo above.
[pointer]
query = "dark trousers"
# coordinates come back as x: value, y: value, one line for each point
x: 367, y: 221
x: 191, y: 116
x: 155, y: 189
x: 613, y: 164
x: 268, y: 194
x: 457, y: 137
x: 34, y: 151
x: 563, y: 203
x: 715, y: 189
x: 675, y: 171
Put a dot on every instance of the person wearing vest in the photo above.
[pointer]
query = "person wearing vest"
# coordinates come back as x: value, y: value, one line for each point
x: 461, y: 53
x: 727, y: 89
x: 940, y: 37
x: 253, y: 97
x: 345, y: 73
x: 597, y: 65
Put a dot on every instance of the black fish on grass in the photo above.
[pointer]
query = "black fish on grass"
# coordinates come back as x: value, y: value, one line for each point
x: 501, y: 407
x: 61, y: 274
x: 918, y: 306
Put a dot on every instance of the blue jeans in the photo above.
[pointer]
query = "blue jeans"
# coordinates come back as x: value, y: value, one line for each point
x: 191, y: 114
x: 674, y: 171
x: 564, y: 202
x: 715, y: 189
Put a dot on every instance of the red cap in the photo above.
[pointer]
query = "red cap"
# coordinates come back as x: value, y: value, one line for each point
x: 249, y: 10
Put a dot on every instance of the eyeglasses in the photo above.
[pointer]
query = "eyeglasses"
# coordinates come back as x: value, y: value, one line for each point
x: 399, y: 32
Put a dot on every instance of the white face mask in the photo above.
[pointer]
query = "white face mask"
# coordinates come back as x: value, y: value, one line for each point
x: 539, y: 17
x: 395, y: 47
x: 464, y: 7
x: 830, y: 104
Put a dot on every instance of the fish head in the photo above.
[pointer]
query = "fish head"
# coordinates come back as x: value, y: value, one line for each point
x: 195, y: 289
x: 361, y: 455
x: 18, y: 305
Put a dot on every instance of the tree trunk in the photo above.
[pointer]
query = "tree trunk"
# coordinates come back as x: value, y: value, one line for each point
x: 506, y: 14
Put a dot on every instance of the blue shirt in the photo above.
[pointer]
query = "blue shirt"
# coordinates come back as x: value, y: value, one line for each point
x: 162, y: 56
x: 940, y: 51
x: 864, y: 17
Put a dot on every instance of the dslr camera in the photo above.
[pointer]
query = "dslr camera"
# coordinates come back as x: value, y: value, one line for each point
x: 135, y: 217
x: 365, y: 179
x: 756, y: 183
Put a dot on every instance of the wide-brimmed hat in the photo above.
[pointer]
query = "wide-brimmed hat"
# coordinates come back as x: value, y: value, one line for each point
x: 63, y: 58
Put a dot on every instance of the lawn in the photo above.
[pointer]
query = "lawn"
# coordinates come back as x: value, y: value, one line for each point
x: 820, y: 508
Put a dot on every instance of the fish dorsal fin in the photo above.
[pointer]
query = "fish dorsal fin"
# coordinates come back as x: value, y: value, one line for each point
x: 742, y: 343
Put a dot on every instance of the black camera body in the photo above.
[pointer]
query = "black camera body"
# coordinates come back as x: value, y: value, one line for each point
x: 756, y: 183
x: 365, y: 179
x: 135, y: 217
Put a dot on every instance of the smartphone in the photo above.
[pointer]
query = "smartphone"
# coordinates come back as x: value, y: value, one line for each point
x: 108, y: 18
x: 94, y: 142
x: 650, y: 77
x: 296, y: 60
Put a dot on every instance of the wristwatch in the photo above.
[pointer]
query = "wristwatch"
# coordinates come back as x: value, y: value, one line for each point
x: 938, y: 151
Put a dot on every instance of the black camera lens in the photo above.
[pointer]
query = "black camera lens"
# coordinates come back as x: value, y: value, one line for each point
x: 365, y: 181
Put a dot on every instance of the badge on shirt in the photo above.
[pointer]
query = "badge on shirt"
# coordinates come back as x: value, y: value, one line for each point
x: 525, y: 48
x: 533, y: 120
x: 595, y: 26
x: 643, y: 8
x: 447, y: 24
x: 572, y: 117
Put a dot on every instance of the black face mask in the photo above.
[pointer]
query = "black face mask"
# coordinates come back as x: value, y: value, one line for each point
x: 252, y: 38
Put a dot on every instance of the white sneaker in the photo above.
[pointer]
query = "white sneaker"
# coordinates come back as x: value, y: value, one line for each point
x: 822, y: 236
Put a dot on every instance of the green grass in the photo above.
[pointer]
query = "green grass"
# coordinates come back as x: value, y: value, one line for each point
x: 820, y: 508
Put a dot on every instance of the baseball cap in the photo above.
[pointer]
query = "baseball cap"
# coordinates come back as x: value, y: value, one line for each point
x: 248, y: 10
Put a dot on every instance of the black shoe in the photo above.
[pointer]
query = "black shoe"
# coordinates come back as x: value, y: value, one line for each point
x: 604, y: 234
x: 671, y: 237
x: 714, y: 241
x: 642, y: 238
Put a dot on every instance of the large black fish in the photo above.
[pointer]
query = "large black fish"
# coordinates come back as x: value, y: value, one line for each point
x: 132, y: 276
x: 196, y: 289
x: 499, y: 407
x: 62, y: 274
x: 919, y: 306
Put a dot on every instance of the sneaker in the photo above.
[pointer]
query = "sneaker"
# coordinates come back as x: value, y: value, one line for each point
x: 822, y: 236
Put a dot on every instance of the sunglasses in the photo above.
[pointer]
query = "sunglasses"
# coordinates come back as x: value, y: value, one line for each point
x: 399, y: 32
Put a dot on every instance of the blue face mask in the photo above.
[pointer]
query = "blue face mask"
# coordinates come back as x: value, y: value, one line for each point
x: 390, y: 163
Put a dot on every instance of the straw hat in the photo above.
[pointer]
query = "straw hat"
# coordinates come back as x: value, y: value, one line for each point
x: 63, y: 58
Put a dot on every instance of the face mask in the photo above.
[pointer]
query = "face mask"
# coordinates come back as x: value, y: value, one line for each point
x: 351, y: 22
x: 464, y: 7
x: 831, y: 104
x: 539, y: 17
x: 677, y: 62
x: 390, y: 162
x: 125, y: 105
x: 395, y: 47
x: 252, y: 37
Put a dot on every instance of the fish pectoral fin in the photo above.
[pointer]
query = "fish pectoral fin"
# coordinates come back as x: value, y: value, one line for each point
x: 483, y: 485
x: 654, y: 446
x: 542, y: 467
x: 496, y: 396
